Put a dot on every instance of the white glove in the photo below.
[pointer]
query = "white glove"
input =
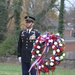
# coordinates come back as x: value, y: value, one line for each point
x: 19, y: 58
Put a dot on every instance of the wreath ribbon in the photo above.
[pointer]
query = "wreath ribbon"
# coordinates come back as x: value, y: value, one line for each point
x: 37, y: 61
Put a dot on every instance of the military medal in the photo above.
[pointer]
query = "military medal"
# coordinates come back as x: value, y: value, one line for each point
x: 32, y: 37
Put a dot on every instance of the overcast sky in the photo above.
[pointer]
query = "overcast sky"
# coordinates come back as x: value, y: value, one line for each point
x: 69, y: 3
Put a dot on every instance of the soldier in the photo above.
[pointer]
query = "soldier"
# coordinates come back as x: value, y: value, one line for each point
x: 25, y: 45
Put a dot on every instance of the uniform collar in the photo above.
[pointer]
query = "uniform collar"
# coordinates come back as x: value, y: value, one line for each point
x: 29, y: 30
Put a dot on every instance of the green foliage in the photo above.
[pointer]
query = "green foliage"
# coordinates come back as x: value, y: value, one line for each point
x: 3, y: 19
x: 17, y: 12
x: 8, y: 46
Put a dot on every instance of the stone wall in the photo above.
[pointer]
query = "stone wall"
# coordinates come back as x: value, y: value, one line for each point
x: 69, y: 61
x: 9, y: 59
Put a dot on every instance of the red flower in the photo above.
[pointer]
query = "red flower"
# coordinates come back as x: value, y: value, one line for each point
x: 39, y: 37
x: 35, y: 46
x: 63, y: 45
x: 61, y: 49
x: 58, y: 53
x: 53, y: 57
x: 55, y: 48
x: 54, y: 63
x: 46, y: 41
x: 33, y: 52
x: 43, y: 63
x: 46, y: 69
x: 36, y: 57
x: 53, y: 37
x: 41, y: 49
x: 53, y: 67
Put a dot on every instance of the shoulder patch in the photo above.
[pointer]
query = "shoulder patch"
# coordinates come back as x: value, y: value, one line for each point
x: 23, y: 32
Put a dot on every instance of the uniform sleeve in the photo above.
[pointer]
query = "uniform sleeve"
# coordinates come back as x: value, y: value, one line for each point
x: 19, y: 45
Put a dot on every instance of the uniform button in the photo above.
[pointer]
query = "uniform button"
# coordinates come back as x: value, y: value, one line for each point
x: 26, y: 44
x: 26, y: 41
x: 30, y: 41
x: 26, y: 47
x: 22, y: 40
x: 27, y: 38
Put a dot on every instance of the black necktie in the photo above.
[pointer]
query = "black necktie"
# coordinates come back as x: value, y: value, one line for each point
x: 28, y: 31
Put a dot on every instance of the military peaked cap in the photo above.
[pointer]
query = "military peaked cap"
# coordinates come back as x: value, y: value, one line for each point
x: 29, y: 19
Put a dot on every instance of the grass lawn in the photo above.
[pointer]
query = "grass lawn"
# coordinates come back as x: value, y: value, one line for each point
x: 10, y: 69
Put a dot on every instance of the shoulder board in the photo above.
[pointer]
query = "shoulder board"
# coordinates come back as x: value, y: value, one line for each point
x: 35, y: 30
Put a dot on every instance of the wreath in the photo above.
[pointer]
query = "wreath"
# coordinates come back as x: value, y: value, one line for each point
x: 43, y: 45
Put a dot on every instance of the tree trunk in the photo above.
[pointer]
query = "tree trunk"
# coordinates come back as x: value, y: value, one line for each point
x: 61, y: 18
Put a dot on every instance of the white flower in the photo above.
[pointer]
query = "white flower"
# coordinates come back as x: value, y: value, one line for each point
x: 39, y: 54
x: 46, y: 63
x: 37, y: 51
x: 42, y: 66
x: 39, y: 67
x: 57, y: 34
x: 33, y: 44
x: 40, y: 42
x: 58, y: 40
x: 53, y: 46
x: 36, y: 41
x: 52, y: 60
x: 60, y: 44
x: 32, y: 50
x: 44, y: 36
x: 61, y: 57
x: 50, y: 40
x: 31, y: 59
x: 38, y: 47
x: 33, y: 56
x: 57, y: 58
x: 63, y: 54
x: 55, y: 43
x: 54, y: 52
x: 51, y: 63
x: 62, y: 39
x: 58, y: 50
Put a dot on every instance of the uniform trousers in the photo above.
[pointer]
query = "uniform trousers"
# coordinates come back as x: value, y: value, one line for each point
x: 25, y: 69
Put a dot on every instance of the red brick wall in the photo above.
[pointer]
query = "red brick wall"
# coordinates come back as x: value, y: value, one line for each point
x: 69, y: 46
x: 68, y: 32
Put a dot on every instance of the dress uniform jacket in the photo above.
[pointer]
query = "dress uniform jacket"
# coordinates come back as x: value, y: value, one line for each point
x: 25, y: 44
